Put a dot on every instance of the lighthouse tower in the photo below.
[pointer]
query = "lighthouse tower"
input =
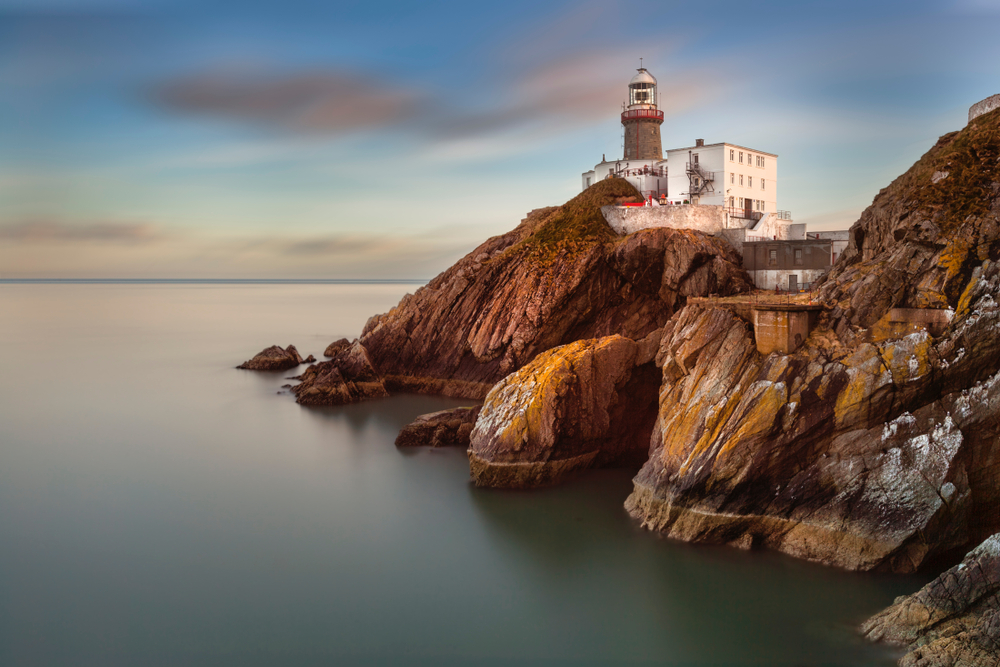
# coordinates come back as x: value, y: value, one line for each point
x: 642, y: 119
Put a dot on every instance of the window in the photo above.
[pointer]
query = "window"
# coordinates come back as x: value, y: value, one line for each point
x: 732, y: 155
x: 588, y: 182
x: 741, y: 202
x: 741, y: 157
x: 762, y: 162
x: 772, y: 257
x: 750, y: 181
x: 732, y: 202
x: 762, y: 184
x: 732, y: 179
x: 749, y: 158
x: 741, y: 179
x: 798, y: 257
x: 696, y: 158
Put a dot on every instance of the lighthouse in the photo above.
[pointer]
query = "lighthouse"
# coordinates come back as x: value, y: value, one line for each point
x: 641, y: 119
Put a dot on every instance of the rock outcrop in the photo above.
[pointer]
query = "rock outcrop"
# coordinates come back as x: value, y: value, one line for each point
x: 347, y: 378
x: 561, y: 276
x: 954, y: 621
x: 587, y: 403
x: 274, y: 358
x: 446, y: 428
x: 336, y: 347
x: 861, y: 449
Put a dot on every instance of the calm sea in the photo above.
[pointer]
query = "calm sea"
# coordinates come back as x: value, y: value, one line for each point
x: 159, y: 507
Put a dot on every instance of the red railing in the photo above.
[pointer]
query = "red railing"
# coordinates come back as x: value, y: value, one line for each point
x: 642, y: 113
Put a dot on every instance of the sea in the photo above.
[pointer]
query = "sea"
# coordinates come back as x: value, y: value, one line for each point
x: 160, y: 507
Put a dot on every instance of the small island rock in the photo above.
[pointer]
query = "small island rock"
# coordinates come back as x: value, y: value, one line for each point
x: 273, y: 359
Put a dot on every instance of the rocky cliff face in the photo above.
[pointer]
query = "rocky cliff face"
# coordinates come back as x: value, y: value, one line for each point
x: 860, y: 450
x: 561, y: 276
x: 954, y: 621
x: 582, y: 404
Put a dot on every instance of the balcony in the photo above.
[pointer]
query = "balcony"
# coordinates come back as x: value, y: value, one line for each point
x: 632, y: 114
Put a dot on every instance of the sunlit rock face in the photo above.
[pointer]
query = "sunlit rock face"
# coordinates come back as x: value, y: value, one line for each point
x: 561, y: 276
x: 862, y: 449
x: 588, y: 403
x: 954, y: 621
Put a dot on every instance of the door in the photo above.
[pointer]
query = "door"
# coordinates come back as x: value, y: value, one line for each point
x: 793, y: 283
x: 747, y: 208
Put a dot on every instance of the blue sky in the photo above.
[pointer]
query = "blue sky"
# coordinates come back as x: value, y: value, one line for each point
x: 242, y: 139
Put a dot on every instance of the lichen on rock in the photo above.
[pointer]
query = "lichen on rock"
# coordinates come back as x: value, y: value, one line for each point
x: 586, y: 403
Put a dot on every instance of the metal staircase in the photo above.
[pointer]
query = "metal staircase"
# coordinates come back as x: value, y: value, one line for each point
x: 700, y: 181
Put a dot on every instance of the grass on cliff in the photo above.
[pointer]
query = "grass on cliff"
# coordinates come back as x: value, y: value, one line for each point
x: 971, y: 158
x: 579, y: 223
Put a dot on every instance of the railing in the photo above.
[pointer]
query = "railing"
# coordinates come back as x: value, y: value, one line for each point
x: 735, y: 212
x: 695, y: 168
x: 642, y: 113
x: 660, y: 172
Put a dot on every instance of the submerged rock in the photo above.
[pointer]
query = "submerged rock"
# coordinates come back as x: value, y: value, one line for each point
x: 954, y: 621
x: 274, y: 359
x: 446, y: 428
x: 347, y: 378
x: 588, y: 403
x: 561, y: 276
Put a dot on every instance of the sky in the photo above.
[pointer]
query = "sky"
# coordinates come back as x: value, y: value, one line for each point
x: 223, y: 139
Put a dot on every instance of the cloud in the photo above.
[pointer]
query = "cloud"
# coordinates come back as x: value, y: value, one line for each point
x: 49, y: 231
x: 310, y: 101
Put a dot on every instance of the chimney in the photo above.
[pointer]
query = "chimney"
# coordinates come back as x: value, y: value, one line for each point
x: 698, y: 143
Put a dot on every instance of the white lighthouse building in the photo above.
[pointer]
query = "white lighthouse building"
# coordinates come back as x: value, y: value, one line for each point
x: 741, y: 179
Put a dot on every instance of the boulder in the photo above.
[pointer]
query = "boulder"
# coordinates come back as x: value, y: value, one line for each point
x: 349, y: 377
x: 446, y: 428
x: 588, y: 403
x: 274, y: 359
x: 954, y: 621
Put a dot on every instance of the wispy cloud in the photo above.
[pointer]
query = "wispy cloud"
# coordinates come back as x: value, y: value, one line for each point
x: 50, y: 231
x: 331, y: 101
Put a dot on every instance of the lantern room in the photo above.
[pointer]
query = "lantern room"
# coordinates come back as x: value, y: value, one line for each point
x: 642, y: 90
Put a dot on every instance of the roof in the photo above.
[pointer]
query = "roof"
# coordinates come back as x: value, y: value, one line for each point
x: 724, y: 143
x: 643, y: 77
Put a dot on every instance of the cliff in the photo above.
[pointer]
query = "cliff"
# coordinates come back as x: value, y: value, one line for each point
x: 864, y: 449
x: 561, y: 276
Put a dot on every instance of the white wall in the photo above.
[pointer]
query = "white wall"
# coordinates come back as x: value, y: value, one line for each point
x: 748, y: 169
x: 628, y: 219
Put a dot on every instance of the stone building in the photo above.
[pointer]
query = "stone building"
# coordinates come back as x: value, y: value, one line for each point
x: 787, y: 265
